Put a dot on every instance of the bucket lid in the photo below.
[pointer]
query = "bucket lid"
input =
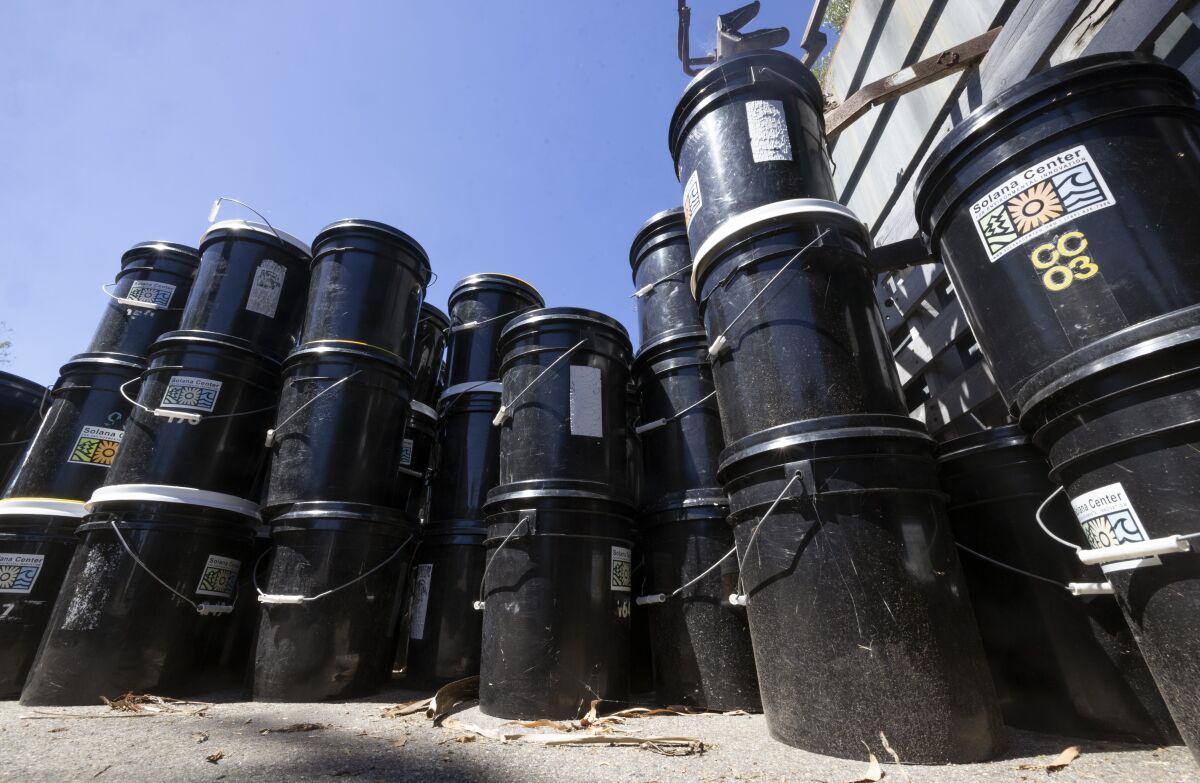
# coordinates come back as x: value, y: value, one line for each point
x: 347, y: 350
x: 537, y: 318
x: 684, y: 338
x: 163, y: 493
x: 870, y: 427
x: 1033, y: 94
x: 470, y: 387
x: 742, y: 69
x: 376, y: 230
x: 993, y: 438
x: 259, y: 232
x: 421, y: 409
x: 431, y: 313
x: 47, y: 507
x: 83, y: 362
x: 19, y: 384
x: 780, y: 215
x: 184, y: 337
x: 328, y: 509
x: 185, y: 254
x: 510, y: 283
x: 668, y: 220
x: 454, y: 527
x: 555, y: 488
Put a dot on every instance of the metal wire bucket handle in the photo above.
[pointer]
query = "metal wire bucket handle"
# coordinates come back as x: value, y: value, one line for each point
x: 502, y: 414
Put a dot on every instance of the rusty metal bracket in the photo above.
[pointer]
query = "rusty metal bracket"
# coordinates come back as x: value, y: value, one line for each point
x: 814, y: 40
x: 911, y: 78
x: 730, y: 38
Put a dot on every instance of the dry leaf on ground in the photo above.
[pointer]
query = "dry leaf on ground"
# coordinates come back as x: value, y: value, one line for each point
x: 400, y: 741
x: 199, y: 737
x: 408, y: 708
x: 873, y: 773
x: 1060, y: 762
x: 295, y: 727
x: 215, y: 757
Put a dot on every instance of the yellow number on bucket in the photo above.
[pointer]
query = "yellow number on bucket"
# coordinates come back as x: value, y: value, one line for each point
x: 1045, y: 258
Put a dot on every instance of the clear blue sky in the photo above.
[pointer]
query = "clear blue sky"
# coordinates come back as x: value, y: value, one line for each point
x: 519, y: 137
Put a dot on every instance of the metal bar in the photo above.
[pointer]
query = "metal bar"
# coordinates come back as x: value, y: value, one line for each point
x: 905, y: 81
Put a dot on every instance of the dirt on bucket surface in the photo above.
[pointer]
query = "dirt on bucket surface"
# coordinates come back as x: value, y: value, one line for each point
x: 390, y: 737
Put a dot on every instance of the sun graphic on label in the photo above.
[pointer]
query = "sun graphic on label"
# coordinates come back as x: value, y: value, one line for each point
x: 8, y: 576
x: 1036, y: 206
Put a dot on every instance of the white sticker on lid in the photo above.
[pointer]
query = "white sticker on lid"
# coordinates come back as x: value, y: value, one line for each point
x: 19, y: 572
x: 198, y: 394
x: 768, y: 129
x: 220, y: 576
x: 587, y: 404
x: 422, y: 577
x: 266, y: 288
x: 1108, y: 519
x: 691, y: 198
x: 621, y: 572
x: 1037, y: 200
x: 96, y: 446
x: 406, y: 450
x: 151, y: 291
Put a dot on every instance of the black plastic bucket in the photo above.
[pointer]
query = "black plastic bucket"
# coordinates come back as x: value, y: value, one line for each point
x: 662, y: 265
x: 82, y: 431
x: 702, y: 652
x: 566, y: 379
x: 444, y: 628
x: 115, y: 628
x: 857, y: 607
x: 427, y: 362
x: 557, y: 601
x: 337, y: 435
x: 790, y: 311
x: 1061, y: 663
x: 1122, y: 432
x: 232, y: 393
x: 22, y: 403
x: 251, y: 285
x: 368, y: 281
x: 416, y: 455
x: 37, y: 541
x: 481, y: 306
x: 1061, y: 209
x: 681, y: 425
x: 748, y: 131
x: 350, y: 560
x: 147, y: 298
x: 468, y: 460
x: 641, y: 649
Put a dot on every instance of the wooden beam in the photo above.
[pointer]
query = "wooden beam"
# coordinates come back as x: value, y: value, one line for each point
x: 908, y: 79
x: 972, y: 389
x: 899, y: 296
x: 931, y: 341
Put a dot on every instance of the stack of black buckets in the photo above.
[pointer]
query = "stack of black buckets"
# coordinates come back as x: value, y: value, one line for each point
x: 165, y: 544
x: 557, y: 590
x: 1061, y: 212
x: 444, y: 629
x: 73, y: 452
x: 701, y: 644
x: 855, y: 597
x: 342, y: 487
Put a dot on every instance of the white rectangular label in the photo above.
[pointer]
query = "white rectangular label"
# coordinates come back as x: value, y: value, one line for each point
x: 691, y: 198
x: 1108, y: 519
x: 1039, y: 199
x: 406, y: 450
x: 621, y: 573
x: 768, y: 131
x: 422, y: 576
x: 18, y: 572
x: 151, y: 291
x: 587, y: 403
x: 266, y: 288
x: 220, y: 576
x: 96, y: 446
x: 198, y: 394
